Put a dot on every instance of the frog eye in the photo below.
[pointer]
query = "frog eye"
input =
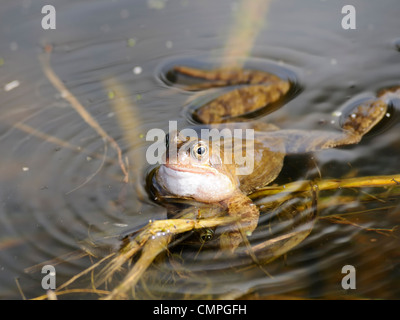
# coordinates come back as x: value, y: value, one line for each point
x: 199, y: 150
x: 206, y: 235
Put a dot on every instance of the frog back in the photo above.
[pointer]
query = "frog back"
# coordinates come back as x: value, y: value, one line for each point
x: 264, y: 157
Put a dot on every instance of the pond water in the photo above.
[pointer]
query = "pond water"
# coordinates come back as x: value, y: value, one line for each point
x: 61, y: 185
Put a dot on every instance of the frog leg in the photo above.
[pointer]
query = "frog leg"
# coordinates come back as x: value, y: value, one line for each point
x: 228, y: 76
x: 359, y: 121
x: 261, y: 90
x: 302, y: 215
x: 241, y: 101
x: 246, y: 215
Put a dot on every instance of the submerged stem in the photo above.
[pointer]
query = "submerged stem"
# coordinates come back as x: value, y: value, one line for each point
x: 80, y: 109
x: 329, y: 184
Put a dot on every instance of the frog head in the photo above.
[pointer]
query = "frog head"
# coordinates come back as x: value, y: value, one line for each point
x: 194, y: 168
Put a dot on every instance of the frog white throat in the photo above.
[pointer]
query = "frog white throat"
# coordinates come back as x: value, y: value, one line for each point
x: 201, y: 186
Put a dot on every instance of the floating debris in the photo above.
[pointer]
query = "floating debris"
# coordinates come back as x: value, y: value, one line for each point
x: 14, y: 46
x: 169, y: 44
x: 156, y: 4
x: 11, y: 85
x: 121, y: 225
x: 131, y: 42
x: 124, y: 13
x: 111, y: 94
x: 337, y: 113
x: 137, y: 70
x: 25, y: 169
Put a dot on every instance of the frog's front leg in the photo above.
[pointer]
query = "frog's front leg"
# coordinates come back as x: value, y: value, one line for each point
x: 261, y: 89
x: 246, y: 212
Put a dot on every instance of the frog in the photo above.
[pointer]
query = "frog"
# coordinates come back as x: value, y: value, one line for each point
x: 200, y: 173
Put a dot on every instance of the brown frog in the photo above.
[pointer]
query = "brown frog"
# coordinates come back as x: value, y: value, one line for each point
x: 199, y: 171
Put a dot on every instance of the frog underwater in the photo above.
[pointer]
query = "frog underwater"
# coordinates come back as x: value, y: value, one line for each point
x: 199, y: 172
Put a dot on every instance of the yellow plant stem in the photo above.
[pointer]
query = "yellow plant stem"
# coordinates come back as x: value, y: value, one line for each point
x: 329, y: 184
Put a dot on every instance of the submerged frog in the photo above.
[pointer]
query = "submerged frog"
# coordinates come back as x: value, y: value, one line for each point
x: 199, y: 171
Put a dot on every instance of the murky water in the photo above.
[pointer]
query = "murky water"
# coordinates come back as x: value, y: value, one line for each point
x: 61, y: 185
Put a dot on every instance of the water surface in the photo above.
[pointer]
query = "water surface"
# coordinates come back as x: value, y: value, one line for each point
x: 109, y: 50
